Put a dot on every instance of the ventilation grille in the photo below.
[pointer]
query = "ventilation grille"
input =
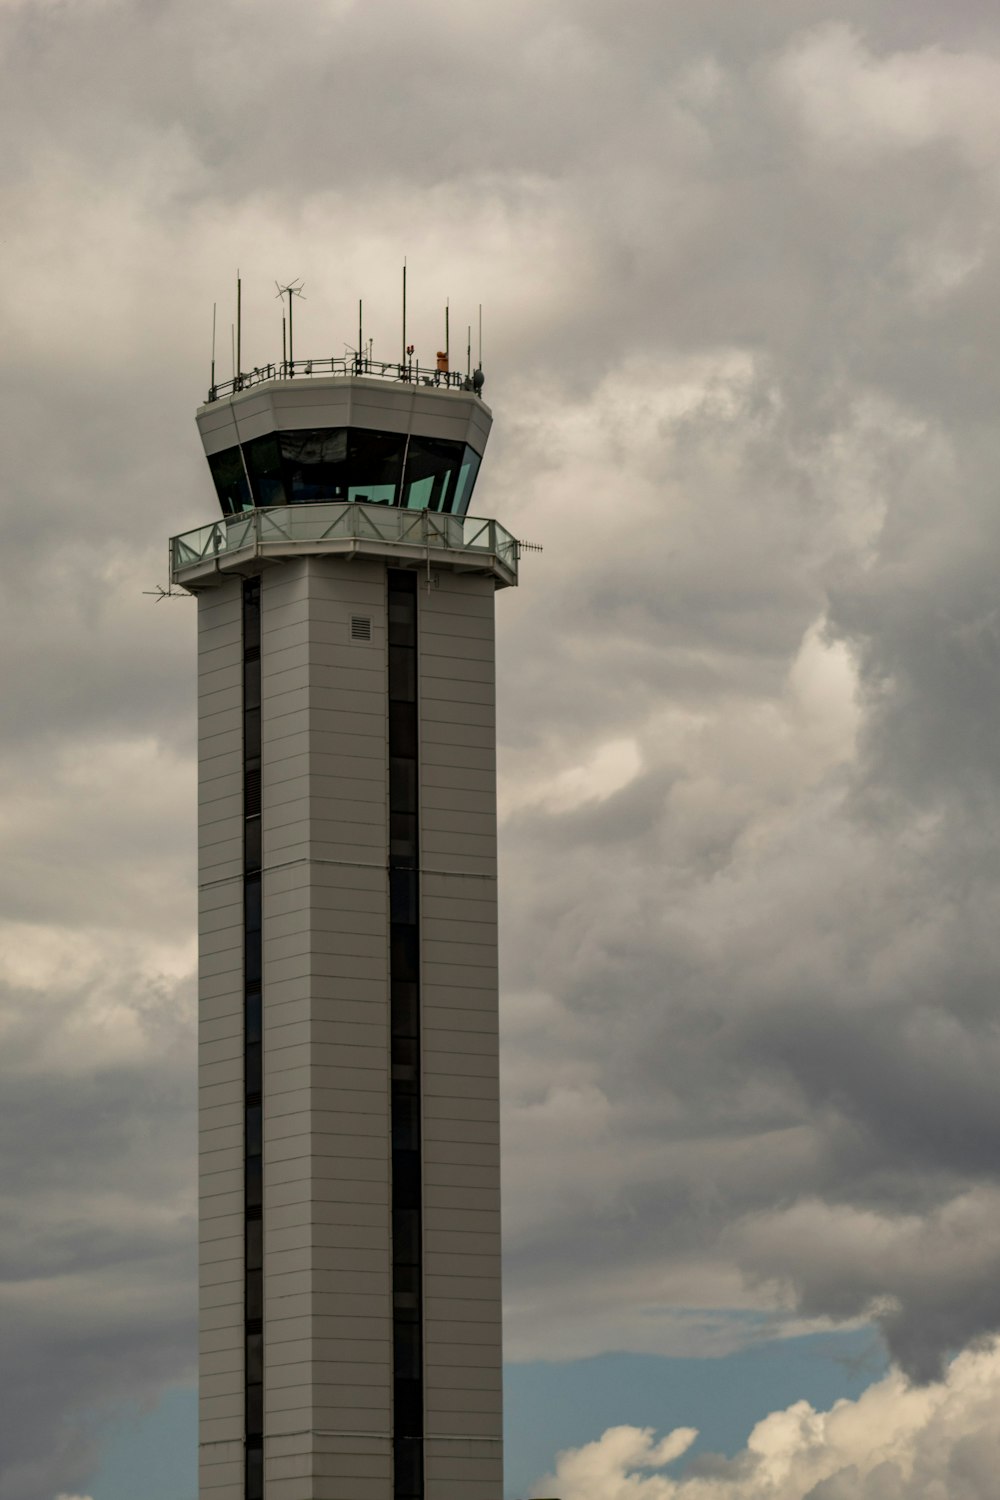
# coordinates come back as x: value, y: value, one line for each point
x: 251, y: 794
x: 361, y: 628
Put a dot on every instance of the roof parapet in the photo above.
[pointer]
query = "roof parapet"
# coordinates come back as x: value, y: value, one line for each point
x: 355, y: 364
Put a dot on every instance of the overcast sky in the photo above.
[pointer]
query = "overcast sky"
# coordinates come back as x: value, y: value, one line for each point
x: 740, y: 268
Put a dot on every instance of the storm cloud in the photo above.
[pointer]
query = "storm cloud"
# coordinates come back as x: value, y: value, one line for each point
x: 741, y: 273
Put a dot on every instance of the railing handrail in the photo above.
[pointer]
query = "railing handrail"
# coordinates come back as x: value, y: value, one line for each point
x: 278, y: 526
x: 406, y: 373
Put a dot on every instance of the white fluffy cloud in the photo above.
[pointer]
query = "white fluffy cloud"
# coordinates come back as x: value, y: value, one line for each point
x: 937, y: 1442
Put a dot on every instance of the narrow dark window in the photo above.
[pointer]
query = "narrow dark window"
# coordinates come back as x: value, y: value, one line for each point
x: 404, y: 975
x: 253, y: 1126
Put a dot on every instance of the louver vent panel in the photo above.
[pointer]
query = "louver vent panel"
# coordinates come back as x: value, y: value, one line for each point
x: 361, y: 628
x: 252, y: 794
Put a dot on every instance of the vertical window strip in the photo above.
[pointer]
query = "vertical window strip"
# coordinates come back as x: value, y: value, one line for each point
x: 253, y: 1120
x: 404, y: 987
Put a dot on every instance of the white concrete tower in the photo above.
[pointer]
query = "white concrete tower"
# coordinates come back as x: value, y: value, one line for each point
x: 349, y: 1138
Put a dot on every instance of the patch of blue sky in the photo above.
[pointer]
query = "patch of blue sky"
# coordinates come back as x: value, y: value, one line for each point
x: 151, y: 1454
x: 551, y: 1407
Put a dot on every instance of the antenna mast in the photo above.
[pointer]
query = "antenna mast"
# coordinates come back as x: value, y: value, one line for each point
x: 239, y: 326
x: 404, y: 311
x: 293, y: 289
x: 213, y: 346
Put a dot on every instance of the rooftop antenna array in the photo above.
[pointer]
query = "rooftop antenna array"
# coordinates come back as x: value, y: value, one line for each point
x: 293, y: 289
x: 358, y: 361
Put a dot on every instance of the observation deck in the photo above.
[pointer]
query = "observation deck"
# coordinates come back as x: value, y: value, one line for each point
x: 247, y: 542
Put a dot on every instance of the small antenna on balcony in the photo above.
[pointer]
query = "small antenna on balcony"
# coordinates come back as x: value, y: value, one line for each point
x: 447, y: 344
x: 165, y: 593
x: 213, y: 346
x: 468, y: 355
x: 404, y: 311
x: 480, y: 359
x: 239, y: 325
x: 361, y: 336
x: 293, y: 289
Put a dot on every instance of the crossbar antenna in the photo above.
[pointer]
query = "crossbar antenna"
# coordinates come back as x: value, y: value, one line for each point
x: 293, y: 289
x: 165, y: 593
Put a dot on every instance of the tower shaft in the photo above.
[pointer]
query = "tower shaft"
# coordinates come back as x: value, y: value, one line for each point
x: 349, y: 1135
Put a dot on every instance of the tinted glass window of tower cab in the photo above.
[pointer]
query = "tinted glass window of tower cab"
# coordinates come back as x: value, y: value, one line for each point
x: 323, y: 465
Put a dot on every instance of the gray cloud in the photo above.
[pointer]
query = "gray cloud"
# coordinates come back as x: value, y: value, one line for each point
x: 740, y: 268
x: 96, y: 1199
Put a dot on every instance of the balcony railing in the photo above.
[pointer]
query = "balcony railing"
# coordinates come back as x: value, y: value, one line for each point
x: 295, y: 528
x: 351, y: 364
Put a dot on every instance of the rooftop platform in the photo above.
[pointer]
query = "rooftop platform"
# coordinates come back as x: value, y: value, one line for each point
x: 350, y: 365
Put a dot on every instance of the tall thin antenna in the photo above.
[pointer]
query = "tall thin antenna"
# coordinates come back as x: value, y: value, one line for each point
x: 468, y: 355
x: 479, y: 362
x: 361, y: 336
x: 293, y: 289
x: 239, y: 324
x: 213, y: 346
x: 404, y: 312
x: 447, y: 349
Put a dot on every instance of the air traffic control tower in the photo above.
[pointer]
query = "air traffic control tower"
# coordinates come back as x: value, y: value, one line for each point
x: 349, y: 1140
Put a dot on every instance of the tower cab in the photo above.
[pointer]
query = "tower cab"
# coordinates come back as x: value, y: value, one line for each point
x: 359, y: 436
